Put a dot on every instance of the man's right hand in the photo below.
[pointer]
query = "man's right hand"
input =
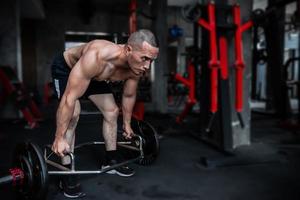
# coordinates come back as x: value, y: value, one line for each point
x: 60, y: 146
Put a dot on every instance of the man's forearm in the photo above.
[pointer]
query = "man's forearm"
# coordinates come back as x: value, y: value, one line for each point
x: 127, y: 107
x: 63, y: 117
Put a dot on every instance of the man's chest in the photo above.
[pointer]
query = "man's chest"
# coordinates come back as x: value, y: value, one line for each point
x: 113, y: 73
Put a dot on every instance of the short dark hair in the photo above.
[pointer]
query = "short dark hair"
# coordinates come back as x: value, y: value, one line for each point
x: 143, y: 35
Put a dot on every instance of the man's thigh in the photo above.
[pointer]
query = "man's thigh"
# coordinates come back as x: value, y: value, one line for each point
x: 100, y: 93
x: 104, y: 102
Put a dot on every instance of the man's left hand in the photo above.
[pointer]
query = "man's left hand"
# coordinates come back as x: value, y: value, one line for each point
x: 127, y: 131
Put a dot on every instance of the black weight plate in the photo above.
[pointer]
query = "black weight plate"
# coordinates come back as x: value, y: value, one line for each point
x: 39, y: 183
x: 40, y: 172
x: 151, y: 142
x: 28, y: 175
x: 190, y: 13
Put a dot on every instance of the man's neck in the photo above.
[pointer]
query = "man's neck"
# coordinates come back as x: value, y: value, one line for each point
x: 121, y: 60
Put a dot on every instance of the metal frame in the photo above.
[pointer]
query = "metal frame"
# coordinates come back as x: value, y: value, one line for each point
x: 67, y: 171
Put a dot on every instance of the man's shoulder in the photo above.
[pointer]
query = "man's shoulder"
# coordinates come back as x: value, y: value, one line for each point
x: 107, y: 50
x: 100, y: 47
x: 99, y: 42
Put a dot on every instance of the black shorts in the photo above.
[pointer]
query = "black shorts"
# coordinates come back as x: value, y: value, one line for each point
x: 60, y: 74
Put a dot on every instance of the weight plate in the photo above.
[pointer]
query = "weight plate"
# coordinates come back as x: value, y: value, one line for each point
x: 151, y: 142
x: 38, y: 187
x: 190, y: 13
x: 28, y: 175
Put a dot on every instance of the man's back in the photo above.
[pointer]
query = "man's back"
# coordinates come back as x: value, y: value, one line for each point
x: 72, y: 55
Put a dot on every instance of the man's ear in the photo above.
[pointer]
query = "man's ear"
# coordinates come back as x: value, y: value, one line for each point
x: 128, y: 48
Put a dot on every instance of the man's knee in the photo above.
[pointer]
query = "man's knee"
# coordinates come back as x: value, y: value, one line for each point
x: 111, y: 115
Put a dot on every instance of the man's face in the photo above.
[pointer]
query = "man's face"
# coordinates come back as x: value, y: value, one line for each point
x: 140, y: 59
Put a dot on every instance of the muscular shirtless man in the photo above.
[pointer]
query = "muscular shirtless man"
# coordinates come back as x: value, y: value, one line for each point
x: 83, y: 71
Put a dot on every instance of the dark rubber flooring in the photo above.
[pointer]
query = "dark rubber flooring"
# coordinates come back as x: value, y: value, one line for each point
x: 269, y: 169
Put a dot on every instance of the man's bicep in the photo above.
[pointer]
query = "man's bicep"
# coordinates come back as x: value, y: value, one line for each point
x: 81, y: 75
x: 78, y: 83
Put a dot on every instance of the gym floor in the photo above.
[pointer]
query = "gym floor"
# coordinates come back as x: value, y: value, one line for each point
x: 266, y: 170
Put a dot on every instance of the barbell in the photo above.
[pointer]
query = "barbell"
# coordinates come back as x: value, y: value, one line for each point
x: 29, y: 174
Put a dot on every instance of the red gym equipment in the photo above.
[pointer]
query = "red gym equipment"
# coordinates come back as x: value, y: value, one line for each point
x: 15, y: 89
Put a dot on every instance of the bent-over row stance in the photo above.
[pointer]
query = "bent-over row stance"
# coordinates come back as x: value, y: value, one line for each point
x: 83, y: 71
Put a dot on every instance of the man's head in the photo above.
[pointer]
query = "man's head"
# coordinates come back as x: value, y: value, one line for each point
x: 141, y: 50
